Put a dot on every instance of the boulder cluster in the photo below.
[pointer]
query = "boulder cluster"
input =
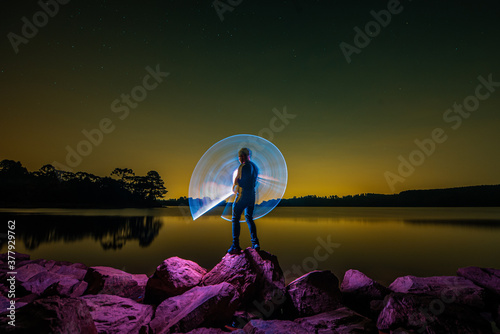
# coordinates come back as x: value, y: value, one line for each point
x: 243, y: 293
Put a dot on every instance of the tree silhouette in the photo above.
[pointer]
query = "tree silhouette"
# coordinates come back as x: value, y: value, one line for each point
x: 49, y: 187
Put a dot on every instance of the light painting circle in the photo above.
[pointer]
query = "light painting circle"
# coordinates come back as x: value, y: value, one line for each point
x: 212, y: 180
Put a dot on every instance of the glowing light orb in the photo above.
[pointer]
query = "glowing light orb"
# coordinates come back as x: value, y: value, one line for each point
x: 213, y: 177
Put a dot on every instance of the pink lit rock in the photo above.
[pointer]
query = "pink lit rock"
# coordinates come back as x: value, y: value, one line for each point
x: 313, y: 293
x: 205, y: 306
x: 487, y: 278
x: 111, y: 281
x: 115, y: 315
x: 173, y: 277
x: 341, y: 320
x: 447, y: 288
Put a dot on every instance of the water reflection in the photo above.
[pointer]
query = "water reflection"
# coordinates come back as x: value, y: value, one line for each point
x: 473, y: 223
x: 112, y: 232
x: 383, y: 243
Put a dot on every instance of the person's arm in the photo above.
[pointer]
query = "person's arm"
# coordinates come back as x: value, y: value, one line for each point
x: 236, y: 180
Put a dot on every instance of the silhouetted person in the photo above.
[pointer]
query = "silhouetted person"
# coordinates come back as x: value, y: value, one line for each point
x: 244, y: 187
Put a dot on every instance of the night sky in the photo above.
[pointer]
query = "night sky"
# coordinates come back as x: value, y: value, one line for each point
x: 347, y: 123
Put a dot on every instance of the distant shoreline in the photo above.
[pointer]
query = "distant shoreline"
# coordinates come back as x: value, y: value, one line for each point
x: 472, y: 196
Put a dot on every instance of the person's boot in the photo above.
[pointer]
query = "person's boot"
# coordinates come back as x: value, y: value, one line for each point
x: 234, y: 249
x: 255, y: 245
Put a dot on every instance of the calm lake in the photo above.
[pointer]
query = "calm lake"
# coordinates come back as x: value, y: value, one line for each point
x: 384, y: 243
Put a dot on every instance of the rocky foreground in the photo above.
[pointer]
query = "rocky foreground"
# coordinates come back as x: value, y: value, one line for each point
x: 245, y: 293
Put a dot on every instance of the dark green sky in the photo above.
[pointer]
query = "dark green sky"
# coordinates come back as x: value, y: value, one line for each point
x: 353, y: 120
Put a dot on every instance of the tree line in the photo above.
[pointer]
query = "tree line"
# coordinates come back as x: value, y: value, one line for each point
x: 473, y: 196
x: 49, y: 187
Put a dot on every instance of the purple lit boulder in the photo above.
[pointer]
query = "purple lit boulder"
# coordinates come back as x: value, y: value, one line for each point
x: 447, y: 288
x: 428, y: 314
x: 270, y: 279
x: 49, y: 283
x: 64, y: 280
x: 362, y: 293
x: 257, y: 277
x: 236, y: 270
x: 111, y: 281
x: 51, y: 315
x: 202, y: 306
x: 487, y: 278
x: 29, y: 270
x: 173, y: 277
x: 75, y: 270
x: 114, y: 314
x: 313, y: 293
x: 341, y: 320
x: 4, y: 303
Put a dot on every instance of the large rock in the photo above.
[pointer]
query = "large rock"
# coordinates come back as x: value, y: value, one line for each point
x: 271, y: 289
x: 111, y: 281
x: 59, y: 285
x: 29, y: 270
x: 487, y: 278
x: 257, y: 277
x: 19, y: 259
x: 259, y: 326
x: 75, y: 270
x: 238, y: 271
x: 422, y: 313
x: 5, y: 304
x: 51, y: 315
x: 114, y: 314
x: 362, y: 293
x: 201, y: 306
x: 173, y: 277
x: 63, y: 278
x: 313, y: 293
x: 341, y: 320
x: 448, y: 288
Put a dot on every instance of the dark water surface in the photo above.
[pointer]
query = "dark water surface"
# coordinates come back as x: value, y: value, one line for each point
x: 384, y: 243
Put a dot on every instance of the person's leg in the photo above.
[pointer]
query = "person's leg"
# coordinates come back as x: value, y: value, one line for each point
x: 237, y: 211
x: 251, y: 225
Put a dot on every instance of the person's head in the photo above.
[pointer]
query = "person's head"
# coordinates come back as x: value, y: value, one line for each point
x: 244, y: 155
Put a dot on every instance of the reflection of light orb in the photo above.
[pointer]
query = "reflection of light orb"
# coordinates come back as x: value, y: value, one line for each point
x: 213, y: 176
